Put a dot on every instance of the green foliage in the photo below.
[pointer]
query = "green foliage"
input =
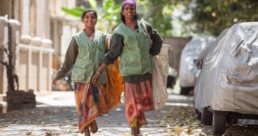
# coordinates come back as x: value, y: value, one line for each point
x: 77, y: 11
x: 158, y: 13
x: 208, y: 16
x: 213, y: 16
x: 109, y: 14
x: 93, y: 4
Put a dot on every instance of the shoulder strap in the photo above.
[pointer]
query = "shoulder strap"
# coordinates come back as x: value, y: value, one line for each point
x: 107, y: 42
x: 144, y: 25
x: 145, y: 29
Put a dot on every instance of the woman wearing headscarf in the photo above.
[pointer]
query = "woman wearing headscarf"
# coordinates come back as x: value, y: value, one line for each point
x: 130, y: 42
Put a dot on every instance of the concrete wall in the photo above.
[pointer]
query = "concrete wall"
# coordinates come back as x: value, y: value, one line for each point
x: 62, y: 27
x: 33, y: 59
x: 34, y: 54
x: 35, y: 64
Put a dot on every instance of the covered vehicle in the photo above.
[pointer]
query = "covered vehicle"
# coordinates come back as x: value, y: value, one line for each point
x: 171, y: 78
x: 188, y: 70
x: 227, y: 87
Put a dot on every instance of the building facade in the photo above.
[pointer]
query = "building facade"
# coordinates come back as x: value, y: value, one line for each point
x: 42, y: 33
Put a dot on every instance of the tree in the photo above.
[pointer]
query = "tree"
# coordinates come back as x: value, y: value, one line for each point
x: 158, y: 13
x: 109, y: 14
x: 12, y: 78
x: 207, y: 17
x: 16, y: 99
x: 213, y: 16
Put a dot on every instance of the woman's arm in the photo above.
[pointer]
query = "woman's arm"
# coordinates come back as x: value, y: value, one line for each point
x: 70, y: 57
x: 116, y: 47
x: 157, y: 40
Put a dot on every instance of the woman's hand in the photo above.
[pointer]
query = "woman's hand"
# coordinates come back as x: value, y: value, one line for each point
x: 98, y: 73
x: 95, y: 77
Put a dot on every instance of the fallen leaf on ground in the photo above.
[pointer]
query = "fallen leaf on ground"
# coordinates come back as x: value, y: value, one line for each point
x: 28, y: 133
x: 178, y: 130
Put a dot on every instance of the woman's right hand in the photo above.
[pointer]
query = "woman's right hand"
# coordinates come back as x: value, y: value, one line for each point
x: 95, y: 78
x: 98, y: 73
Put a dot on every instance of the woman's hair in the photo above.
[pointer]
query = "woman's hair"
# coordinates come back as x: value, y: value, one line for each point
x: 89, y: 10
x: 136, y: 16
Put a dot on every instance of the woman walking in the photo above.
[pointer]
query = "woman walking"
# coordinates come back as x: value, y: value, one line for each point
x: 130, y: 42
x: 85, y: 54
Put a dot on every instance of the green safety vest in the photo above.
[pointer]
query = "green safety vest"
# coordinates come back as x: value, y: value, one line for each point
x: 135, y: 58
x: 90, y: 56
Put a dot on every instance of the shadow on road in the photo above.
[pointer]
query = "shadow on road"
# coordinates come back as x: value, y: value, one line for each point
x: 56, y: 115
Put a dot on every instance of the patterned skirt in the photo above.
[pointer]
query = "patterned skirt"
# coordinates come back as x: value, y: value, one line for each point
x: 89, y: 103
x: 138, y: 98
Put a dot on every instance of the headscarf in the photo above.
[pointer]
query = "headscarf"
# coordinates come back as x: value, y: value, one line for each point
x: 131, y: 2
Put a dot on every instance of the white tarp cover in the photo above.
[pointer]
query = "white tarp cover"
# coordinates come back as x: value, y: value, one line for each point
x: 228, y: 80
x: 188, y: 70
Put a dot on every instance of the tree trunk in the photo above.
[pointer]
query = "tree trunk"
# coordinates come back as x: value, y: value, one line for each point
x: 10, y: 65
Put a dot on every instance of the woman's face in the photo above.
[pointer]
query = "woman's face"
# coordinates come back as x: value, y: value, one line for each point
x: 129, y: 11
x: 89, y: 20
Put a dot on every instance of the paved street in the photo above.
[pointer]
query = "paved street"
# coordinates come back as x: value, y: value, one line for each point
x: 55, y: 115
